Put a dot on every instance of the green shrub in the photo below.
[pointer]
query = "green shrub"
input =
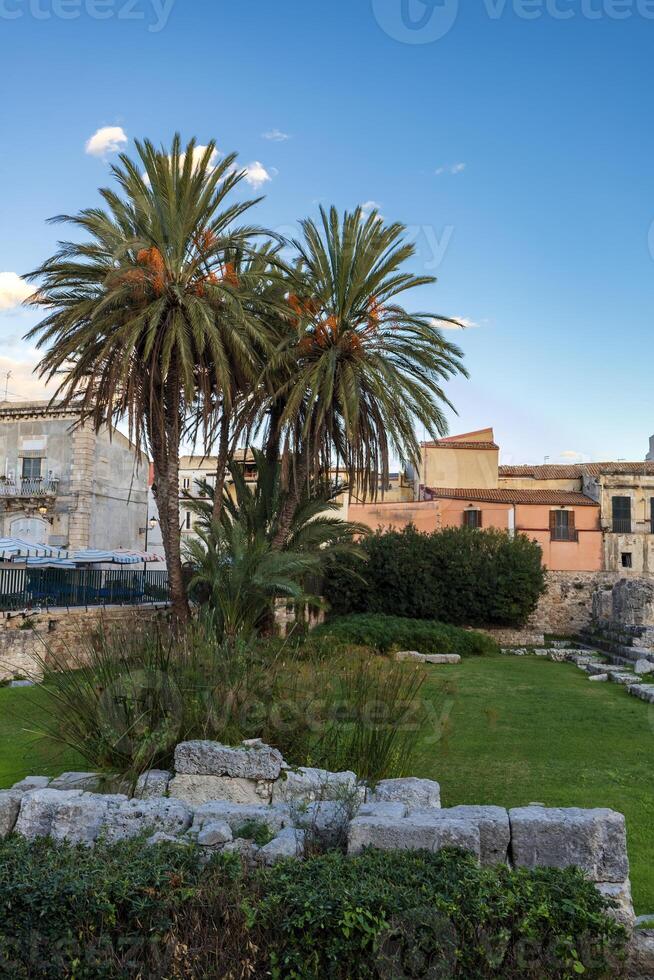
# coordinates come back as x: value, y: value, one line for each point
x: 386, y: 633
x: 456, y: 575
x: 129, y: 911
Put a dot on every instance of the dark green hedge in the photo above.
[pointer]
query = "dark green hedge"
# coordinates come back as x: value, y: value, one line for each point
x: 385, y: 633
x: 457, y: 575
x: 131, y: 911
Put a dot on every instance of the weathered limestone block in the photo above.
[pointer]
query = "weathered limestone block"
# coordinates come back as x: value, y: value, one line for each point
x: 306, y: 785
x: 9, y: 807
x: 32, y: 782
x: 640, y: 955
x: 215, y: 834
x: 202, y: 789
x: 407, y: 656
x: 643, y: 666
x: 430, y: 831
x: 152, y: 784
x: 417, y: 794
x: 593, y: 840
x: 251, y: 761
x: 643, y: 691
x: 394, y: 811
x: 494, y: 830
x: 326, y: 820
x: 89, y: 781
x: 289, y: 843
x: 246, y: 849
x: 600, y: 678
x: 133, y: 817
x: 82, y: 819
x: 38, y: 808
x: 274, y: 817
x: 619, y: 892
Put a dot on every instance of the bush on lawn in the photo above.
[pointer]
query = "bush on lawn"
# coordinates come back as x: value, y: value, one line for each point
x: 457, y: 575
x: 133, y: 694
x: 386, y: 633
x: 132, y: 911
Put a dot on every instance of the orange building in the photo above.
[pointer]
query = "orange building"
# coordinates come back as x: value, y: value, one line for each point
x: 459, y: 486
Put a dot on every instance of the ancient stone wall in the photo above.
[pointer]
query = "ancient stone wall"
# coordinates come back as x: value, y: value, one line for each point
x: 24, y: 636
x: 218, y: 792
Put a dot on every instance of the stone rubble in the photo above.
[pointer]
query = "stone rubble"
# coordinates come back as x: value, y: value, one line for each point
x: 313, y: 807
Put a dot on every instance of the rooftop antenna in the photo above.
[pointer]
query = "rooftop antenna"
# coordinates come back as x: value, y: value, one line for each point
x: 7, y: 377
x: 546, y: 460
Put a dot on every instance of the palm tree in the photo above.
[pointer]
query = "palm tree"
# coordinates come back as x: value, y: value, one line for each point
x: 146, y: 318
x: 356, y: 372
x: 235, y: 560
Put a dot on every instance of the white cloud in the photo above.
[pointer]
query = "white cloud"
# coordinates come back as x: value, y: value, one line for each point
x: 464, y: 324
x: 257, y: 175
x: 276, y: 136
x: 107, y: 139
x: 451, y: 168
x: 13, y: 290
x: 571, y: 454
x: 198, y: 153
x: 369, y: 206
x: 22, y: 383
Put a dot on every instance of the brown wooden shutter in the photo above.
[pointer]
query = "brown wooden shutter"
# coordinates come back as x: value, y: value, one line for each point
x: 480, y: 518
x: 552, y: 521
x: 571, y: 525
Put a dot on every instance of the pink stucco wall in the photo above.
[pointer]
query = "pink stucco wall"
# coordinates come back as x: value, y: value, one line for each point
x: 530, y: 519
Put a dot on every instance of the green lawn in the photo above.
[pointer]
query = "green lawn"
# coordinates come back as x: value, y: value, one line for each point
x: 518, y: 730
x: 523, y: 729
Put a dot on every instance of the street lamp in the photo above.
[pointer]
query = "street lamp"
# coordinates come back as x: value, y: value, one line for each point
x: 150, y: 526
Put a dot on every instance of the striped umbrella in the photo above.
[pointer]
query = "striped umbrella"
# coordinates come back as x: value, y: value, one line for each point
x: 15, y: 548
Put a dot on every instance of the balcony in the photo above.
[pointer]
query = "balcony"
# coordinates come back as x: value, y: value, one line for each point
x: 621, y: 525
x: 38, y: 487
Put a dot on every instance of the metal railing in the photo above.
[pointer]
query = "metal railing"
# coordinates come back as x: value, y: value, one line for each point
x: 24, y: 588
x: 565, y: 534
x: 37, y: 487
x: 621, y: 525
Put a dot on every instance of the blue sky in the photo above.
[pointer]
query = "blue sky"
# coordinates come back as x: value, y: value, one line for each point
x: 517, y: 148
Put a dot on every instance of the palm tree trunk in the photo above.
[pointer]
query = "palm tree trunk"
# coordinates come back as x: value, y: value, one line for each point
x: 290, y: 505
x: 164, y: 444
x: 221, y: 466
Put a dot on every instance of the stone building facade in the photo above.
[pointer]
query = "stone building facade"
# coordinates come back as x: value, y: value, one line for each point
x: 63, y: 485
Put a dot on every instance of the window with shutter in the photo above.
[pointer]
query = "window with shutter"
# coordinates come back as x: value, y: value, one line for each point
x: 562, y: 525
x: 472, y: 518
x: 621, y: 514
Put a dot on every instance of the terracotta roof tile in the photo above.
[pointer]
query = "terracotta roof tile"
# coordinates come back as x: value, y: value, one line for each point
x: 558, y: 498
x: 574, y: 471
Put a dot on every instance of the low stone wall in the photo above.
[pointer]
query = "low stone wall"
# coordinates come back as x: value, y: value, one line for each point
x: 219, y: 793
x: 58, y: 631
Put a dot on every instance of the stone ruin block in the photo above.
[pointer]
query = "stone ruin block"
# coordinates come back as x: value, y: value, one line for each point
x: 253, y: 760
x: 592, y: 840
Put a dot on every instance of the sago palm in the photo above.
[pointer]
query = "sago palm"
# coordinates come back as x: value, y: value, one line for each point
x: 145, y: 313
x: 235, y: 559
x: 357, y: 372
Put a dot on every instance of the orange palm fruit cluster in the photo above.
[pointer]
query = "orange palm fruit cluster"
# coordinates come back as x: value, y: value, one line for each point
x: 152, y: 259
x: 230, y: 275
